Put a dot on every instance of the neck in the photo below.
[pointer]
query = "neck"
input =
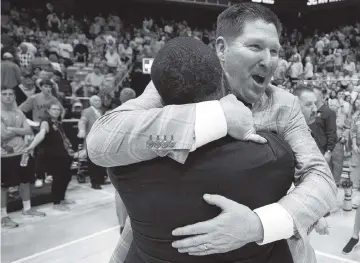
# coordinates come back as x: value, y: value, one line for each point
x: 228, y: 90
x: 46, y: 95
x: 7, y: 107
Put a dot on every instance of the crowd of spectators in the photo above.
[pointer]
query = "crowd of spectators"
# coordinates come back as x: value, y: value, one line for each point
x: 71, y: 63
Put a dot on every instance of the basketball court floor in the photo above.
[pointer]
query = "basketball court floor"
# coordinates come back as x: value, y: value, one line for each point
x: 90, y: 231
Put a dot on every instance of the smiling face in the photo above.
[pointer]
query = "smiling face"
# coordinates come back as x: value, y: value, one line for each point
x: 249, y: 61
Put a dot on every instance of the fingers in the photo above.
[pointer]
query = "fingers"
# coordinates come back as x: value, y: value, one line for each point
x: 220, y: 201
x: 192, y: 244
x: 256, y: 138
x: 204, y: 253
x: 195, y: 229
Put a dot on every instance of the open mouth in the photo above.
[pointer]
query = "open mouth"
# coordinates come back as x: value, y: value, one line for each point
x: 259, y: 79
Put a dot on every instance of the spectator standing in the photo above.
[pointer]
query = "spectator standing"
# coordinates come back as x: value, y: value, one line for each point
x: 88, y: 117
x: 38, y: 103
x: 355, y: 175
x: 56, y: 153
x: 14, y: 128
x: 324, y: 128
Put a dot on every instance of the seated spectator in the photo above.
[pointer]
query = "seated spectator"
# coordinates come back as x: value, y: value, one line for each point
x: 26, y: 89
x: 77, y: 86
x: 95, y: 78
x: 349, y: 65
x: 66, y: 50
x: 61, y: 85
x: 25, y: 57
x: 40, y: 61
x: 10, y: 72
x: 81, y: 52
x: 113, y: 59
x: 309, y: 69
x: 31, y: 47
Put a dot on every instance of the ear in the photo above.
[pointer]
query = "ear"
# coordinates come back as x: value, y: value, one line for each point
x: 221, y: 47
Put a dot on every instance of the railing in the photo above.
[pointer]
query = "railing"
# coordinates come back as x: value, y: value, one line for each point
x: 129, y: 65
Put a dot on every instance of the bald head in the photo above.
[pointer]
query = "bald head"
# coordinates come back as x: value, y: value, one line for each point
x: 95, y: 101
x: 127, y: 94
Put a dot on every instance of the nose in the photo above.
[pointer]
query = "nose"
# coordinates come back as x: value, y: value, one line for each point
x: 265, y: 62
x: 314, y: 109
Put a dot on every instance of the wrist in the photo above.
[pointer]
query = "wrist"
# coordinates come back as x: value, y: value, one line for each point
x: 257, y: 228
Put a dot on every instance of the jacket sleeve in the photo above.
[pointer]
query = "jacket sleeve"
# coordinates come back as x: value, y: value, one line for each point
x: 330, y: 130
x: 122, y: 136
x: 315, y: 191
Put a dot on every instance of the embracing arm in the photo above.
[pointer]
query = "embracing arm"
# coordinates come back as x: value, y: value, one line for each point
x: 315, y: 191
x: 120, y: 137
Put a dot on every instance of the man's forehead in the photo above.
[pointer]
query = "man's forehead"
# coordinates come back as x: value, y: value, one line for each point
x: 260, y: 30
x: 308, y: 96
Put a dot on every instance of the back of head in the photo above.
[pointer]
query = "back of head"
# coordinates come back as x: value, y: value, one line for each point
x: 187, y: 71
x: 231, y: 21
x: 127, y: 94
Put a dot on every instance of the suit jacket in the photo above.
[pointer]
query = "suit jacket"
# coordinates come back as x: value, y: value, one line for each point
x: 91, y: 116
x: 252, y: 174
x: 116, y: 139
x: 324, y: 128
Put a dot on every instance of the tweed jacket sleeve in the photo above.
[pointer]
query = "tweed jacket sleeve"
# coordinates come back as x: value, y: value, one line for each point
x: 122, y: 136
x: 315, y: 191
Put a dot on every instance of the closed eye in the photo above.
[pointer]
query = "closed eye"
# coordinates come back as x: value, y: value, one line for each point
x: 255, y: 47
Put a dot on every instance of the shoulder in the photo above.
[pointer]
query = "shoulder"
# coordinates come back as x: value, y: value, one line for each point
x: 19, y: 113
x: 280, y: 97
x: 86, y: 111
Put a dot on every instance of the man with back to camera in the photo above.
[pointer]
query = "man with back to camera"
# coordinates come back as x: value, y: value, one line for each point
x: 247, y: 45
x: 187, y: 71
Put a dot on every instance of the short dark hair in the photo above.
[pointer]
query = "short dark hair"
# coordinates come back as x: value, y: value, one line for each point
x: 187, y: 71
x: 231, y: 22
x: 3, y: 88
x: 45, y: 82
x: 301, y: 89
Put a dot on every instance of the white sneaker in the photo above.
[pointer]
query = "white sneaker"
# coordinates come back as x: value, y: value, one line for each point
x: 39, y: 183
x: 49, y: 179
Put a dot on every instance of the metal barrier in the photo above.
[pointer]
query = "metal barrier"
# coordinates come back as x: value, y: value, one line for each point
x: 129, y: 65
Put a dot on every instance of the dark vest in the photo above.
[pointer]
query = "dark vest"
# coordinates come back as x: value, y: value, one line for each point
x: 161, y: 195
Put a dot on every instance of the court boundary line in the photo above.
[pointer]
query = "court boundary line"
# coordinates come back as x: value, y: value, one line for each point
x: 24, y: 259
x: 55, y: 248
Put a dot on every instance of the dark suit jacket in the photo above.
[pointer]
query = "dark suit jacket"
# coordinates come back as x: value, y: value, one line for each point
x: 161, y: 195
x: 324, y: 129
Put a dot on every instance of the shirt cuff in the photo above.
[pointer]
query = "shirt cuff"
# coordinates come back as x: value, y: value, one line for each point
x: 277, y: 223
x: 210, y: 123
